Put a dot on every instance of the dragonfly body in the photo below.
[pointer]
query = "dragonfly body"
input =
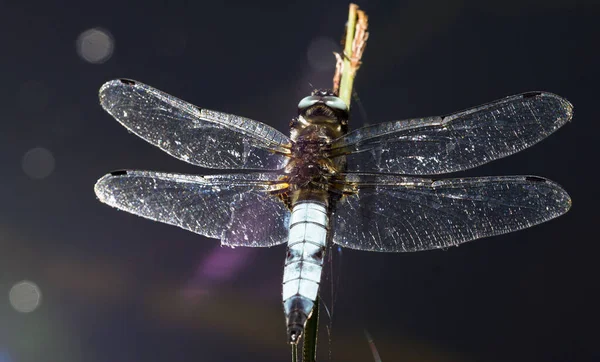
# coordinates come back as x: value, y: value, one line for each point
x: 322, y: 118
x: 327, y: 185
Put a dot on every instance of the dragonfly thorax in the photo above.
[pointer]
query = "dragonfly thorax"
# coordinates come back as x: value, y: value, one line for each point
x: 310, y: 170
x: 309, y: 163
x: 322, y: 118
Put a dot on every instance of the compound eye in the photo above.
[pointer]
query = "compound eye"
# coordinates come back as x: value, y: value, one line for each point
x: 307, y: 102
x: 336, y: 103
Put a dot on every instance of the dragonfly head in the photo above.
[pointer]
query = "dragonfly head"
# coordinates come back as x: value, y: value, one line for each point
x: 323, y: 107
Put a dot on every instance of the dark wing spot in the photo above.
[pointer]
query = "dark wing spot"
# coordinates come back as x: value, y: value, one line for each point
x: 535, y: 179
x: 119, y: 173
x: 531, y: 94
x: 127, y: 81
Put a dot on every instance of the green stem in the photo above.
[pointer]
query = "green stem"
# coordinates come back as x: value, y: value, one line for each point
x: 294, y: 352
x: 311, y: 332
x: 348, y: 73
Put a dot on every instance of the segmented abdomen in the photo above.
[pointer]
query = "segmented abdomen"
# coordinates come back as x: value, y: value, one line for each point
x: 304, y: 264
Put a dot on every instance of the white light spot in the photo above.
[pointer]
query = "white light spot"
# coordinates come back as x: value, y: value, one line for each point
x: 95, y: 45
x: 38, y: 163
x: 320, y: 53
x: 25, y: 296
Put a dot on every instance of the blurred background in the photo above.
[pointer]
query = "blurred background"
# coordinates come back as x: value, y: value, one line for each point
x: 80, y: 281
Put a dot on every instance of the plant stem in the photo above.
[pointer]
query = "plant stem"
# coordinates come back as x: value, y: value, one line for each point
x: 311, y: 332
x: 294, y: 352
x: 354, y: 46
x: 347, y: 79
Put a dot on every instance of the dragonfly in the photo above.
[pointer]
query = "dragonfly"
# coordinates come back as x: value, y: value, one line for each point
x: 326, y: 185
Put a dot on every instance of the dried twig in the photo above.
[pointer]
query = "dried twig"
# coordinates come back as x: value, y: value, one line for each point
x: 354, y: 47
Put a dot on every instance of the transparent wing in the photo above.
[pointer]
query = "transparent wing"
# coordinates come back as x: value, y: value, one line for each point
x: 196, y: 135
x: 456, y: 142
x: 238, y: 209
x: 392, y: 213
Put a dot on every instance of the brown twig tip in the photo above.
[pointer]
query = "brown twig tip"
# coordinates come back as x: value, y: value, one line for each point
x: 347, y: 64
x: 337, y: 77
x: 360, y: 38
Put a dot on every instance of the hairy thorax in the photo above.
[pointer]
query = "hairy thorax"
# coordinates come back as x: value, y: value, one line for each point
x: 310, y: 170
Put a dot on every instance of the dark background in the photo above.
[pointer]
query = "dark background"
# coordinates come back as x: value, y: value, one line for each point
x: 116, y: 287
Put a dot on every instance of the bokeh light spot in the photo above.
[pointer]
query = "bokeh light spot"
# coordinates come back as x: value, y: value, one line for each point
x: 320, y: 53
x: 25, y: 296
x: 95, y: 45
x: 38, y: 163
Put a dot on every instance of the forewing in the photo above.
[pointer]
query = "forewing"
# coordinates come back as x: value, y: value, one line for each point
x: 456, y: 142
x: 196, y: 135
x: 392, y: 213
x: 238, y: 209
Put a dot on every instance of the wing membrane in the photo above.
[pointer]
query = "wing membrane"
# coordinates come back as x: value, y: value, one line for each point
x: 237, y: 209
x: 195, y: 135
x: 456, y: 142
x: 391, y: 213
